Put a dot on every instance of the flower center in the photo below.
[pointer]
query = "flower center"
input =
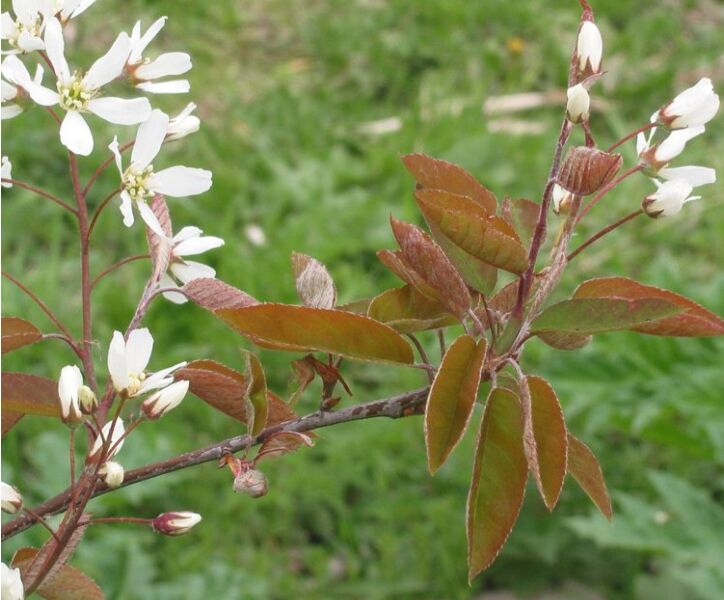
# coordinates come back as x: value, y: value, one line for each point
x: 75, y: 95
x: 135, y: 182
x: 134, y: 383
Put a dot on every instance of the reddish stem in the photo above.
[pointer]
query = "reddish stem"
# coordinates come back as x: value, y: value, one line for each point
x: 40, y: 192
x: 604, y: 231
x: 101, y: 206
x: 103, y: 166
x: 607, y: 188
x: 631, y: 135
x: 138, y: 520
x: 115, y: 266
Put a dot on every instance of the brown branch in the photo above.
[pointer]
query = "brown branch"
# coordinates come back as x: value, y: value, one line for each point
x: 604, y: 231
x: 114, y: 266
x: 403, y: 405
x: 607, y: 188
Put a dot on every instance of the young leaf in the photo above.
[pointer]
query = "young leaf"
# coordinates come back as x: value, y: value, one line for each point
x: 545, y: 437
x: 30, y: 395
x: 17, y: 333
x: 498, y: 482
x: 304, y: 329
x: 522, y: 215
x: 452, y: 398
x: 694, y: 320
x: 583, y: 466
x: 212, y: 294
x: 407, y: 310
x: 224, y: 389
x: 256, y: 395
x: 436, y: 174
x: 597, y: 315
x: 281, y: 443
x: 484, y: 236
x: 564, y: 341
x: 396, y: 262
x: 427, y: 259
x: 315, y: 286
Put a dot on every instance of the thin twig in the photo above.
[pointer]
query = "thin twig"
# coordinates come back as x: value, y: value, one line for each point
x: 41, y: 521
x: 114, y: 266
x: 40, y: 192
x: 607, y: 188
x: 103, y: 166
x: 101, y: 206
x: 631, y: 135
x: 421, y: 351
x: 138, y: 520
x: 594, y: 238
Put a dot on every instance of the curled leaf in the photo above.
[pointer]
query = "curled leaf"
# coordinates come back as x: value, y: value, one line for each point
x: 315, y: 286
x: 255, y: 395
x: 396, y: 262
x: 281, y: 443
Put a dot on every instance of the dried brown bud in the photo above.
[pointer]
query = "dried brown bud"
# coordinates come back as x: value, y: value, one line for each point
x: 252, y: 483
x: 586, y: 170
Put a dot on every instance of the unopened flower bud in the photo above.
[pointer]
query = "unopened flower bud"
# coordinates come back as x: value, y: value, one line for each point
x: 251, y: 482
x: 165, y: 400
x: 578, y: 107
x: 88, y: 400
x: 175, y: 523
x: 669, y: 199
x: 694, y: 106
x: 11, y: 499
x: 562, y: 200
x: 114, y: 445
x: 113, y: 473
x: 69, y: 384
x: 589, y: 48
x: 586, y: 170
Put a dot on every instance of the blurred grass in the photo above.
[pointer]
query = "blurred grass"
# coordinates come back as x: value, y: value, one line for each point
x: 283, y: 89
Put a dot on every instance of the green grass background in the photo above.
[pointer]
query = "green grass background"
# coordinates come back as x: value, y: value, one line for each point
x: 283, y: 88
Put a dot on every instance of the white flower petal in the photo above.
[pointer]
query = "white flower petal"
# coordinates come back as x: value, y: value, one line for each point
x: 8, y: 112
x: 186, y: 233
x: 115, y: 149
x: 116, y: 435
x: 117, y: 366
x: 143, y: 41
x: 693, y: 175
x: 75, y: 134
x: 7, y: 25
x: 169, y: 63
x: 14, y: 70
x: 167, y: 282
x: 40, y: 94
x: 177, y: 86
x: 138, y: 350
x: 127, y: 209
x: 110, y: 65
x: 149, y: 139
x: 160, y: 378
x: 70, y: 380
x: 29, y: 42
x: 121, y: 111
x: 675, y: 143
x: 180, y: 181
x: 82, y: 6
x: 150, y: 219
x: 189, y: 270
x: 55, y: 47
x: 197, y: 245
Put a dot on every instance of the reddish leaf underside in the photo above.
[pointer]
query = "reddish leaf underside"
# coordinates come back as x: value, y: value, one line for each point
x: 407, y: 310
x: 281, y: 443
x: 256, y: 395
x: 498, y: 481
x: 9, y: 420
x: 585, y: 469
x: 224, y: 389
x: 213, y: 294
x: 598, y: 315
x: 484, y: 236
x: 30, y: 395
x: 436, y: 174
x: 428, y: 259
x: 396, y: 262
x: 452, y: 398
x: 17, y: 333
x: 694, y: 320
x: 545, y: 437
x: 314, y: 284
x: 304, y: 329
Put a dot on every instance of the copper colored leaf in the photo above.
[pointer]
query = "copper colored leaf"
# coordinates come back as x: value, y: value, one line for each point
x: 17, y: 333
x: 584, y: 467
x: 304, y: 370
x: 30, y: 395
x: 10, y: 419
x: 586, y: 170
x: 694, y: 320
x: 315, y: 286
x: 281, y: 443
x: 224, y: 388
x: 406, y: 310
x: 159, y: 247
x: 396, y: 262
x: 356, y: 306
x: 564, y: 341
x: 436, y: 174
x: 212, y: 294
x: 427, y: 259
x: 304, y: 329
x: 484, y: 236
x: 545, y: 437
x: 597, y: 315
x: 498, y: 481
x: 452, y: 398
x: 256, y: 395
x: 522, y: 215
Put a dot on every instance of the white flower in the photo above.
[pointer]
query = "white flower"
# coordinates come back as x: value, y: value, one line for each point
x: 16, y: 79
x: 80, y: 93
x: 24, y: 32
x: 140, y: 182
x: 187, y: 242
x: 659, y: 155
x: 127, y: 361
x: 183, y: 124
x: 144, y: 71
x: 578, y: 106
x: 69, y: 9
x: 116, y: 442
x: 694, y: 175
x: 175, y: 523
x: 69, y: 384
x: 6, y: 172
x: 589, y: 49
x: 165, y: 400
x: 113, y: 473
x: 12, y: 585
x: 10, y: 498
x: 694, y: 106
x: 561, y: 199
x: 669, y: 199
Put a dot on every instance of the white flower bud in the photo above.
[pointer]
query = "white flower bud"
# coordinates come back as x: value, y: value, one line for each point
x: 578, y: 107
x: 589, y: 49
x: 165, y: 400
x: 668, y: 199
x: 6, y: 172
x: 659, y: 155
x: 175, y: 523
x: 12, y: 584
x: 12, y: 501
x: 694, y: 106
x: 561, y: 200
x: 69, y: 384
x: 113, y: 473
x: 252, y: 483
x: 88, y: 400
x: 118, y: 431
x: 183, y: 124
